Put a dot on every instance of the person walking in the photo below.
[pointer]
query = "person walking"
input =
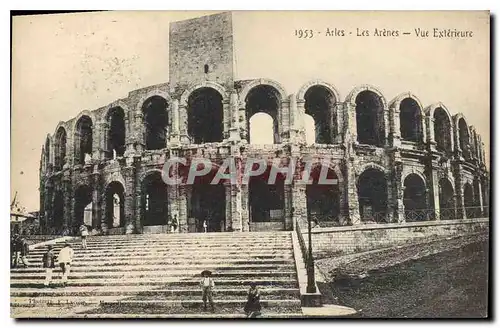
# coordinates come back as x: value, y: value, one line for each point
x: 23, y: 250
x: 205, y: 226
x: 49, y: 263
x: 65, y: 258
x: 207, y: 288
x: 13, y: 251
x: 175, y: 223
x: 252, y: 307
x: 84, y: 232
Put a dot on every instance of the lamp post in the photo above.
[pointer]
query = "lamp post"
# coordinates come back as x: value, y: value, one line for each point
x: 311, y: 285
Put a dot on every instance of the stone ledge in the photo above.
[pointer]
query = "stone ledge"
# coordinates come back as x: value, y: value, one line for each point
x: 398, y: 225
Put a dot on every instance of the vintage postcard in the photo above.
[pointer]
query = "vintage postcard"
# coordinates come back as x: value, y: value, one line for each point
x: 250, y: 164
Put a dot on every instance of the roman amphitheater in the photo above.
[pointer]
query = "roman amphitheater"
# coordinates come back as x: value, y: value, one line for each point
x: 395, y: 160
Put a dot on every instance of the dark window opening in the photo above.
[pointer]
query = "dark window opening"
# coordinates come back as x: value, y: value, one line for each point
x: 155, y: 200
x: 319, y: 104
x: 372, y: 195
x: 410, y: 120
x: 155, y: 120
x: 60, y: 149
x: 442, y: 130
x: 205, y: 116
x: 83, y: 140
x: 206, y: 69
x: 116, y: 133
x: 370, y: 119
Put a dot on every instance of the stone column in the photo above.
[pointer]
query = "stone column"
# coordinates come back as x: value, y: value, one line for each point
x: 431, y: 140
x: 299, y: 120
x: 175, y: 134
x: 395, y: 128
x: 395, y: 193
x: 459, y: 199
x: 68, y: 199
x: 434, y: 194
x: 283, y: 118
x: 139, y: 133
x: 97, y: 192
x: 129, y: 197
x: 245, y: 208
x: 234, y: 131
x: 350, y: 122
x: 100, y: 141
x: 183, y: 124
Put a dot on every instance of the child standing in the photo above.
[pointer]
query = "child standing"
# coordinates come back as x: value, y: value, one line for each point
x: 49, y: 263
x: 207, y: 287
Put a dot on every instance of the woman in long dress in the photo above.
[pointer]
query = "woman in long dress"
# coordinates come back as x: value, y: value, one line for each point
x: 253, y: 307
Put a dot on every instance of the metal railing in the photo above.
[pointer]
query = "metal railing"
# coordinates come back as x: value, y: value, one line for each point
x: 416, y: 215
x: 307, y: 256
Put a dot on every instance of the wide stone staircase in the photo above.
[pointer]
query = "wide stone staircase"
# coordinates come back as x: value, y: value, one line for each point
x: 158, y: 276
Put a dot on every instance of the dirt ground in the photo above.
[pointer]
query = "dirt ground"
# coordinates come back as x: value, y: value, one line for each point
x: 438, y: 279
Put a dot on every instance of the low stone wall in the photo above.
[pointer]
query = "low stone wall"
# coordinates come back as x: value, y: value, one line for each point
x: 267, y: 226
x: 337, y: 241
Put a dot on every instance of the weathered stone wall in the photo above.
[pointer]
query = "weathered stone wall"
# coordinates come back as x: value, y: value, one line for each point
x: 346, y: 240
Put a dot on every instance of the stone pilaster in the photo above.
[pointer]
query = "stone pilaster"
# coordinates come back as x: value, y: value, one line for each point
x: 234, y: 130
x: 245, y: 208
x: 183, y: 124
x: 431, y: 139
x: 174, y: 139
x: 395, y: 192
x: 97, y: 195
x: 395, y: 129
x: 434, y: 193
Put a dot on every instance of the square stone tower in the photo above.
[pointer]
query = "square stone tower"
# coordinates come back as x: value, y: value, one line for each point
x: 201, y: 49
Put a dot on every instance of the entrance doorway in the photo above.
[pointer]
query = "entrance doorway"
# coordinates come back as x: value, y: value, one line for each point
x: 208, y: 202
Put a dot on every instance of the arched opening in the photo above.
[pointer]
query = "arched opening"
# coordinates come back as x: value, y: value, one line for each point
x: 319, y: 102
x: 205, y: 116
x: 310, y: 129
x: 115, y: 207
x: 266, y: 201
x: 469, y: 201
x: 323, y: 200
x: 370, y: 119
x: 116, y: 133
x: 410, y: 118
x: 464, y: 138
x: 47, y: 153
x: 446, y: 200
x: 58, y: 210
x: 415, y: 199
x: 477, y: 198
x: 208, y: 202
x: 154, y: 200
x: 263, y: 99
x: 155, y: 121
x: 83, y: 206
x: 372, y: 196
x: 83, y: 140
x: 60, y: 149
x: 261, y: 129
x: 442, y: 130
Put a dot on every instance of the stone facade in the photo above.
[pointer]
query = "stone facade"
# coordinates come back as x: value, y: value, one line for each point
x: 394, y: 161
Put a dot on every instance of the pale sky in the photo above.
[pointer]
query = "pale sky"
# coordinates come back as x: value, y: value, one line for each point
x: 63, y: 64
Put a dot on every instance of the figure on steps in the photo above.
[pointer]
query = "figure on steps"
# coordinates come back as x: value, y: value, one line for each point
x: 65, y: 258
x: 49, y: 263
x: 84, y: 232
x: 252, y: 307
x: 207, y: 287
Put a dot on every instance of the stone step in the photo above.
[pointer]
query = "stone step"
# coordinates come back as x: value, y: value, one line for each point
x: 164, y: 273
x: 205, y: 315
x: 277, y: 282
x: 221, y: 257
x: 177, y: 267
x: 200, y: 235
x: 166, y: 261
x: 114, y: 301
x: 111, y: 249
x: 179, y: 251
x: 133, y: 290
